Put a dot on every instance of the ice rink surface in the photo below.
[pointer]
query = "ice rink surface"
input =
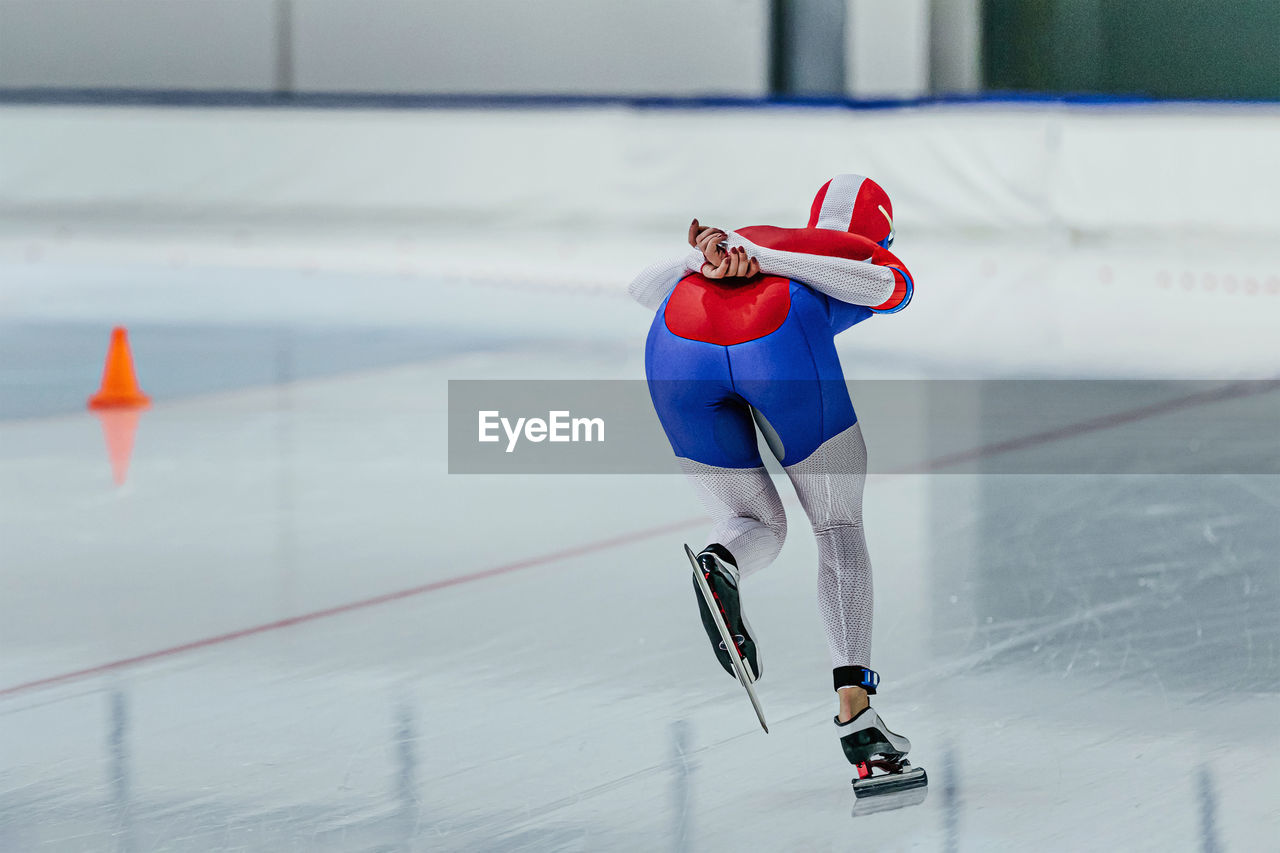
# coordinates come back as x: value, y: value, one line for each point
x: 292, y: 629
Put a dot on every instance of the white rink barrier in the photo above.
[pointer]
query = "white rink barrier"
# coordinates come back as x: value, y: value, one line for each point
x: 977, y: 167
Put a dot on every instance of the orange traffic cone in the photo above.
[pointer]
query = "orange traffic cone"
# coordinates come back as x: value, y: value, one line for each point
x: 119, y: 384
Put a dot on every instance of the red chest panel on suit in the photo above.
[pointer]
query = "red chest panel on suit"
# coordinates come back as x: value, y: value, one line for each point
x: 726, y: 313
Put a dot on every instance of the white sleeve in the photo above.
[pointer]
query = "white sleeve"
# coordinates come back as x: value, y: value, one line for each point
x: 656, y: 281
x: 855, y: 282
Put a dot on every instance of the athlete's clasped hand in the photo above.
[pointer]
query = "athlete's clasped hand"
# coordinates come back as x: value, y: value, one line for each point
x: 719, y: 263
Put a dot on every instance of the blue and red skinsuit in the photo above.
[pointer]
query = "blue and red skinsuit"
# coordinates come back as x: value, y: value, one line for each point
x: 719, y: 348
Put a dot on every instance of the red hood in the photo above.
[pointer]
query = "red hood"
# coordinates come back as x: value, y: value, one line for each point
x: 856, y: 204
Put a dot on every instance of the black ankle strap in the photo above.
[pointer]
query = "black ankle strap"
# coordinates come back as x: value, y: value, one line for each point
x: 856, y: 676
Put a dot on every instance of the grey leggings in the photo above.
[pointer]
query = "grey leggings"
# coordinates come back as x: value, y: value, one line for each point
x: 750, y: 522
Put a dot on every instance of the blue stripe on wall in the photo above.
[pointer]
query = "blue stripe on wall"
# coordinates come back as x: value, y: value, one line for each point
x: 341, y: 100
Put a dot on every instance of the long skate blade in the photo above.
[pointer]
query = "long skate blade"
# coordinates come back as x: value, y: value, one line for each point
x: 863, y: 806
x: 909, y: 787
x: 731, y: 647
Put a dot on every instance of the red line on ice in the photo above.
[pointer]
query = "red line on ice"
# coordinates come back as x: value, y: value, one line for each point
x: 1227, y: 392
x: 505, y: 569
x: 1234, y: 391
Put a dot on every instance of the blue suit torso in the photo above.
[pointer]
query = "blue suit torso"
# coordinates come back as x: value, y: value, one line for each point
x: 705, y: 381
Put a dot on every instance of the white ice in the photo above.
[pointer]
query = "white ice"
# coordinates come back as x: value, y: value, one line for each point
x: 1080, y: 662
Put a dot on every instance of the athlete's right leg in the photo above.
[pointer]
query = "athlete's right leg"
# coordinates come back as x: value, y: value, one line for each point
x: 829, y: 483
x: 795, y: 382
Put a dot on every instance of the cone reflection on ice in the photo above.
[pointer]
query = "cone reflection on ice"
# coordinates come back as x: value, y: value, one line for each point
x: 119, y: 383
x: 119, y: 426
x: 119, y: 404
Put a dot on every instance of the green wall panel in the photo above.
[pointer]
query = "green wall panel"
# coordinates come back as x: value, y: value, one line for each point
x: 1161, y: 48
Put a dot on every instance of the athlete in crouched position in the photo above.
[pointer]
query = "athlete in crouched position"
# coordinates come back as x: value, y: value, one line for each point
x: 744, y: 337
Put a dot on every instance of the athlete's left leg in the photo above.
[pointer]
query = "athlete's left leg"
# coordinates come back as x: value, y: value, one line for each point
x: 749, y: 520
x: 712, y: 433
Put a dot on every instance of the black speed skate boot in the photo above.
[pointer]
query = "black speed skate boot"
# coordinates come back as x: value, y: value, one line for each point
x: 879, y: 754
x: 721, y: 573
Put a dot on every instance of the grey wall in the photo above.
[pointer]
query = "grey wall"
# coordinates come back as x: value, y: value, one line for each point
x: 560, y: 46
x: 810, y: 40
x: 629, y: 47
x: 888, y: 48
x: 955, y: 46
x: 170, y: 44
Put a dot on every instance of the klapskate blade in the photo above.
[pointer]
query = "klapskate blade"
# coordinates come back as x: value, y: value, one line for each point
x: 913, y: 780
x: 900, y: 799
x: 739, y: 666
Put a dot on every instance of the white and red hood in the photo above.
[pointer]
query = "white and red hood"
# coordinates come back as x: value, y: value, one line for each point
x: 856, y: 204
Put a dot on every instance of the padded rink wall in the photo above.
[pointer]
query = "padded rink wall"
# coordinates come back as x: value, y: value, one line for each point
x: 951, y: 168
